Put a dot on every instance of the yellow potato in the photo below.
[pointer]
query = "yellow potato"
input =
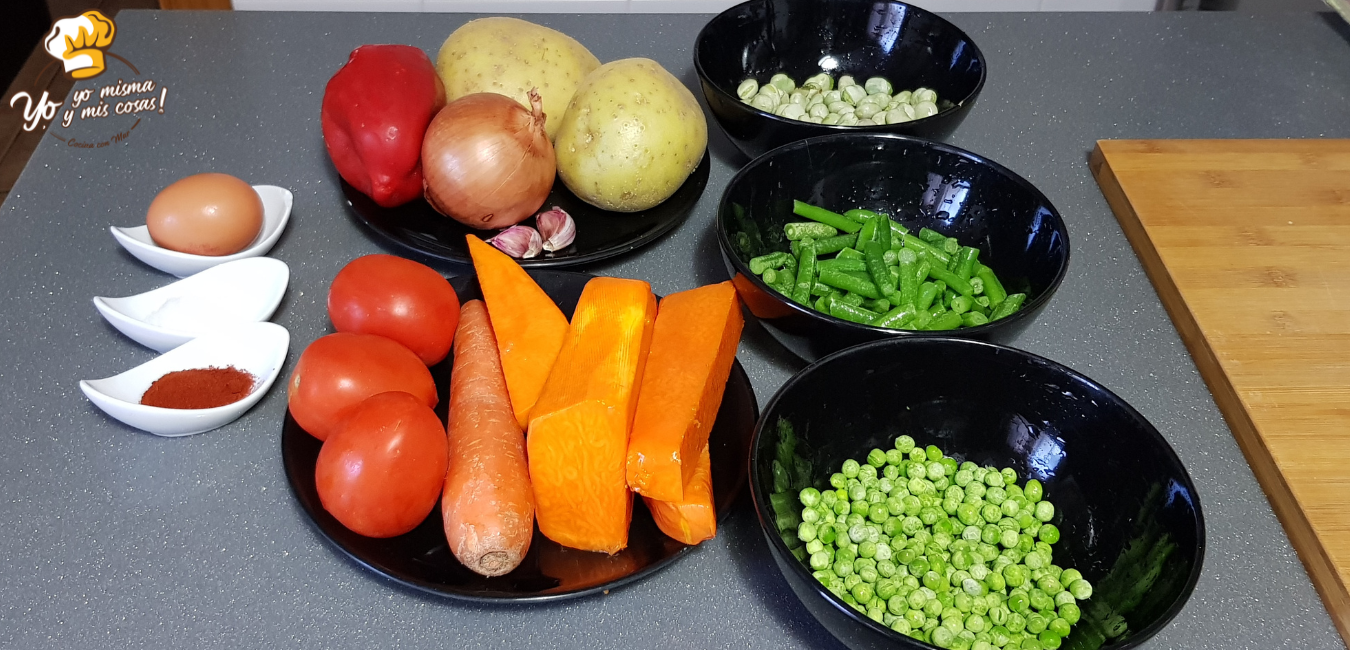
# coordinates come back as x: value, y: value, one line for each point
x: 509, y: 56
x: 631, y: 136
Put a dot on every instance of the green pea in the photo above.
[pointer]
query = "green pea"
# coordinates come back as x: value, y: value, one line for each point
x: 826, y: 534
x: 901, y: 625
x: 850, y: 468
x: 1081, y: 589
x: 868, y: 574
x: 964, y: 477
x: 1045, y: 511
x: 975, y: 491
x: 918, y: 455
x: 916, y: 600
x: 852, y: 581
x: 820, y: 561
x: 930, y: 515
x: 1009, y: 476
x: 998, y: 615
x: 1048, y: 532
x: 857, y: 492
x: 973, y: 587
x: 933, y: 452
x: 1015, y: 575
x: 847, y: 554
x: 942, y: 637
x: 993, y: 479
x: 876, y: 458
x: 838, y: 480
x: 1070, y: 613
x: 935, y: 470
x: 915, y: 617
x: 1040, y: 601
x: 811, y: 515
x: 976, y: 623
x: 867, y: 472
x: 982, y: 644
x: 815, y: 546
x: 1049, y: 640
x: 1033, y: 490
x: 1010, y: 508
x: 995, y: 495
x: 904, y: 444
x: 806, y: 531
x: 991, y: 513
x: 1036, y: 623
x: 862, y: 592
x: 843, y: 568
x: 1050, y: 585
x: 1016, y: 622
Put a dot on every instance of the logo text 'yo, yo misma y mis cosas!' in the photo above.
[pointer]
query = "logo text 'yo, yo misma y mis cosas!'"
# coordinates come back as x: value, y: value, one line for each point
x: 81, y: 45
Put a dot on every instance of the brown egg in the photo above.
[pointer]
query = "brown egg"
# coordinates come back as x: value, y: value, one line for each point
x: 206, y: 214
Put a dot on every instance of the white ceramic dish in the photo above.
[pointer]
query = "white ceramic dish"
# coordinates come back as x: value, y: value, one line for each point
x: 276, y: 212
x: 221, y: 297
x: 256, y: 348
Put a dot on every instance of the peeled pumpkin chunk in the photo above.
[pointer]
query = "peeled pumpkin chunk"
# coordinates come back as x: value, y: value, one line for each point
x: 577, y: 442
x: 692, y: 519
x: 528, y: 325
x: 693, y: 347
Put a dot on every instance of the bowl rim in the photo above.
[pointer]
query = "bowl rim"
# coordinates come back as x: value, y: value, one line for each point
x: 839, y: 128
x: 1028, y: 310
x: 763, y: 514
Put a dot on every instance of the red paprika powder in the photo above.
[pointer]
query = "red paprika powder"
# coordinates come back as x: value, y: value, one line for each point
x: 199, y: 388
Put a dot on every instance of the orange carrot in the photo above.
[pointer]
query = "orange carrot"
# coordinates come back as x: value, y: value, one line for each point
x: 529, y: 326
x: 694, y: 518
x: 578, y: 436
x: 693, y: 347
x: 487, y: 503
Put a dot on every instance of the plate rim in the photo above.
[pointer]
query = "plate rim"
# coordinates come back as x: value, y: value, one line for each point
x: 704, y: 166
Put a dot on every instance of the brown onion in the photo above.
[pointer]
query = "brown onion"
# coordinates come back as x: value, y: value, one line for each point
x: 487, y: 161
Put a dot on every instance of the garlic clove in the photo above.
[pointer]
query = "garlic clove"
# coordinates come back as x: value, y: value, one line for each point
x: 518, y: 242
x: 557, y: 228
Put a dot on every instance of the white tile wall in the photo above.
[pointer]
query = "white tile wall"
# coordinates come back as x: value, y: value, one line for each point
x: 656, y: 6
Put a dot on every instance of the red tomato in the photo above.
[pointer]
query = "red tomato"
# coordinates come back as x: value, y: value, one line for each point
x: 398, y: 298
x: 381, y: 473
x: 339, y: 371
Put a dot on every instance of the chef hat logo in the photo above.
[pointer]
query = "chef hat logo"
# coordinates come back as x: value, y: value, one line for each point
x: 79, y: 43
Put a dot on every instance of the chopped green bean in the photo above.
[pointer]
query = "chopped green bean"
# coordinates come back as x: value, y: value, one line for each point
x: 842, y: 280
x: 1010, y: 305
x: 815, y: 230
x: 835, y: 244
x: 841, y: 309
x: 806, y: 272
x: 824, y: 216
x: 771, y: 261
x: 849, y: 253
x: 838, y: 264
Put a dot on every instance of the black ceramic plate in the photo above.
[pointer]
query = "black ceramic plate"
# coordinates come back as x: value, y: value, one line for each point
x: 422, y: 560
x: 601, y: 234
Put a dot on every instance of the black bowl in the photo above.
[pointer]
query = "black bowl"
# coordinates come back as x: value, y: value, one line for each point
x: 909, y: 46
x: 1128, y: 512
x: 920, y: 184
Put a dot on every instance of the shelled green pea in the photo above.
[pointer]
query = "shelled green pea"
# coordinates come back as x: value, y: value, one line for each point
x: 931, y: 573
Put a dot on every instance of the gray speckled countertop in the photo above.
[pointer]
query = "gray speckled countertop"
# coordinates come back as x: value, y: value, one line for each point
x: 113, y: 538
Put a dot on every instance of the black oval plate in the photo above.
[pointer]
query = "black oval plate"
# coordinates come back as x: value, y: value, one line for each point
x: 422, y: 560
x: 601, y: 234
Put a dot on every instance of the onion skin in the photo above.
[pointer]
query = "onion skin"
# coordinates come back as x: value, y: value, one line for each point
x: 487, y: 162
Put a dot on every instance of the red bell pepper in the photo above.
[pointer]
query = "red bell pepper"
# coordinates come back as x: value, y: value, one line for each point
x: 375, y: 111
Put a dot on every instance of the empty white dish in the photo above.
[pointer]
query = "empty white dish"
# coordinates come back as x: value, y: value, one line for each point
x: 256, y: 348
x: 221, y: 297
x: 276, y: 212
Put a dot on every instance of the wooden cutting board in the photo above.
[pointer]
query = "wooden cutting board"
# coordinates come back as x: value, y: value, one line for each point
x: 1248, y: 244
